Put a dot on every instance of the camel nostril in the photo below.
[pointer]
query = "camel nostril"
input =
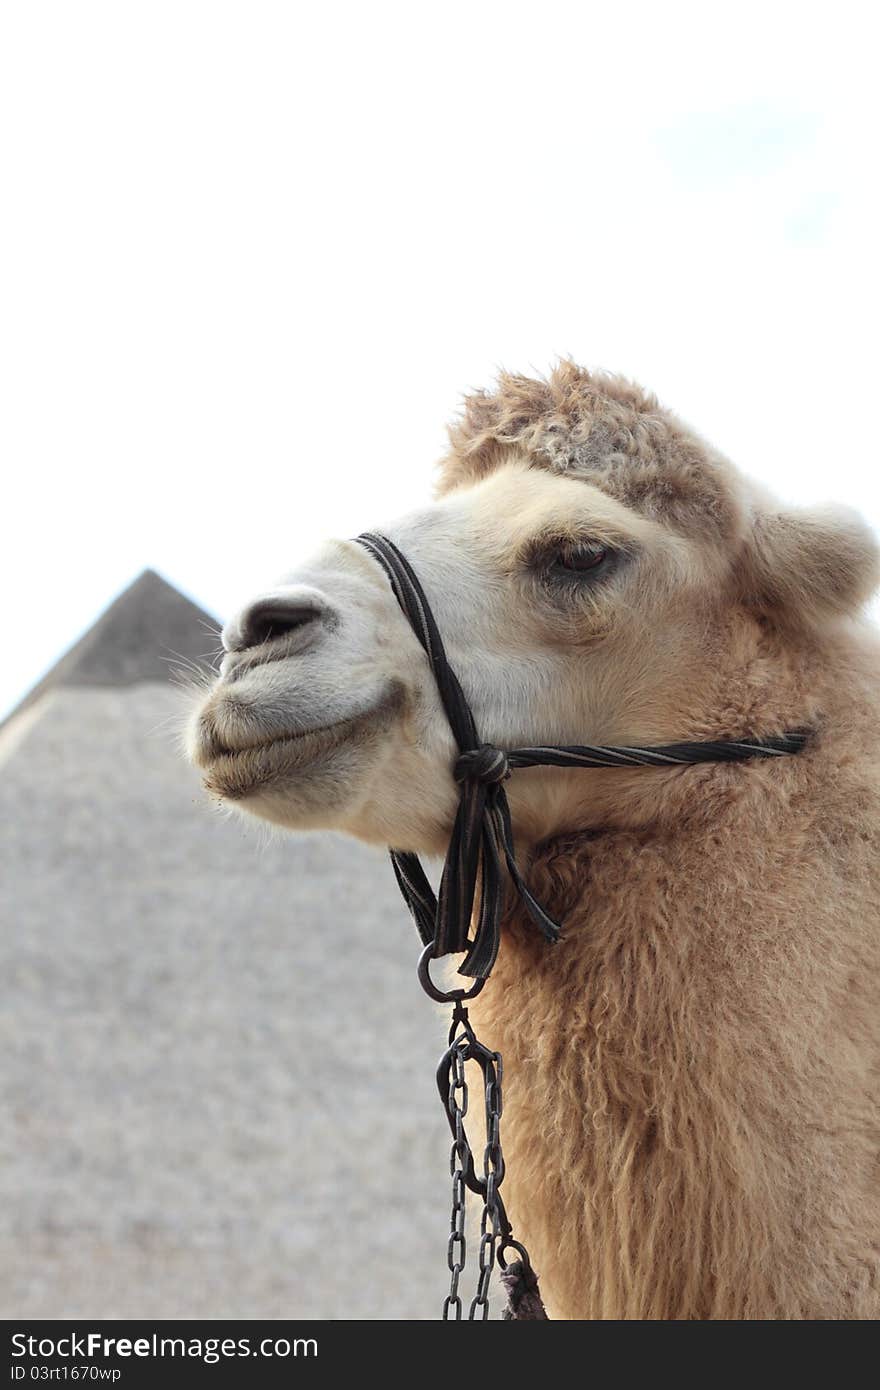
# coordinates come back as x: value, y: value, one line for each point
x: 264, y: 621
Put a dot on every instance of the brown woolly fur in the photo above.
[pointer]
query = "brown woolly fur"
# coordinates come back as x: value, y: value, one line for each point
x: 599, y: 426
x: 691, y: 1108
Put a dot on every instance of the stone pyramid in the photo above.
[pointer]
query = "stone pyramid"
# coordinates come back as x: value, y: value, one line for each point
x: 138, y: 638
x: 218, y: 1067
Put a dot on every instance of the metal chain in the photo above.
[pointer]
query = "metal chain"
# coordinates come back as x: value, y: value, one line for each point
x: 493, y: 1172
x: 495, y: 1229
x: 457, y: 1104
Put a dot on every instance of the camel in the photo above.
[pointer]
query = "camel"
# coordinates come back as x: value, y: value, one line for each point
x: 691, y: 1121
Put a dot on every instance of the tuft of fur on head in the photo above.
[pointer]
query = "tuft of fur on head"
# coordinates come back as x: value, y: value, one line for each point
x: 605, y: 429
x: 799, y: 569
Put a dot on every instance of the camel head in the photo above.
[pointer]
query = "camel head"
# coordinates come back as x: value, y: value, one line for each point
x: 598, y: 575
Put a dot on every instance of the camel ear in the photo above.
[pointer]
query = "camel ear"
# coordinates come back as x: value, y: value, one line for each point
x: 806, y: 566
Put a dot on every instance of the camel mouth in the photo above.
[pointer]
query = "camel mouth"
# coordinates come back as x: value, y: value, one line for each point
x: 236, y: 772
x: 222, y: 751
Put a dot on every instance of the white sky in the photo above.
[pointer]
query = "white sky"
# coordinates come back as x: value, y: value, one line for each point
x: 252, y: 253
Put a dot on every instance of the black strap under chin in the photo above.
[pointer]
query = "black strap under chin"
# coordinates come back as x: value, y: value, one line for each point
x: 481, y: 844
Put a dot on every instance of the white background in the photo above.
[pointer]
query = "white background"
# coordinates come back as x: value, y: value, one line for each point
x: 253, y: 253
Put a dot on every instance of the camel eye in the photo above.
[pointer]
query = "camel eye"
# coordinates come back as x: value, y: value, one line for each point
x: 579, y: 559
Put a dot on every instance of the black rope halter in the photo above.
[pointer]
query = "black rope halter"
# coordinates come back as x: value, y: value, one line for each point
x: 481, y: 843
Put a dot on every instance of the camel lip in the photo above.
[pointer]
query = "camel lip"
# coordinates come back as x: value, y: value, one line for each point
x: 221, y: 751
x: 240, y: 772
x: 234, y: 773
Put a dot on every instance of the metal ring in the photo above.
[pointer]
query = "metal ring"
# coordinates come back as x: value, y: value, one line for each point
x: 451, y: 996
x: 510, y: 1244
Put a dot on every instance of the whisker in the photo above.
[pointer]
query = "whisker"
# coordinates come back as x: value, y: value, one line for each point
x: 187, y: 662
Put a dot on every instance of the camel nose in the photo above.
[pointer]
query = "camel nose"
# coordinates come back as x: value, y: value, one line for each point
x: 275, y: 615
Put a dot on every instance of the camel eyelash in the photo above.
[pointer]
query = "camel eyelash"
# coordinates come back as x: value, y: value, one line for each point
x: 572, y: 561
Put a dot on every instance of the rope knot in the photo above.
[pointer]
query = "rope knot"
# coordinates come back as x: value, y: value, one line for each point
x: 484, y: 764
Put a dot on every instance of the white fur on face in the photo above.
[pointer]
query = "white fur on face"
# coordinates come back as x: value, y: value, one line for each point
x: 337, y: 723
